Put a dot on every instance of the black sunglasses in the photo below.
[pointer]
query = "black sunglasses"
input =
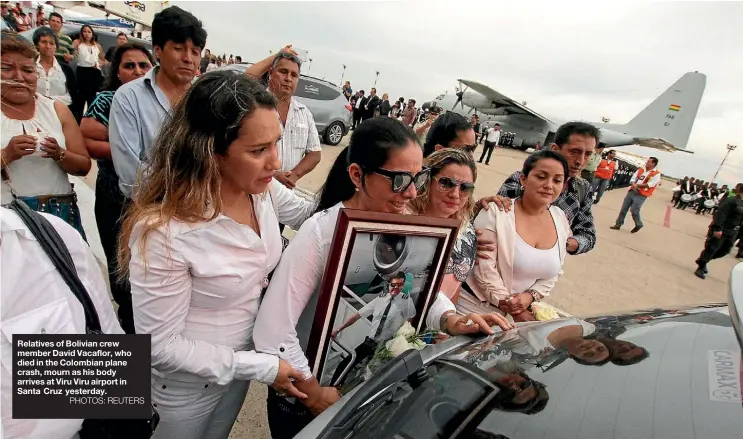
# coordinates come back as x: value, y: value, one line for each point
x: 402, y: 180
x: 447, y: 184
x: 131, y: 64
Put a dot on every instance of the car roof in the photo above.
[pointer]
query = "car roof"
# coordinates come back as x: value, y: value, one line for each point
x: 73, y: 29
x: 688, y: 387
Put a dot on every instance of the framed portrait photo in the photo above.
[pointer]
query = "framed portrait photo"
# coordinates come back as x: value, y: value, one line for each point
x: 383, y: 274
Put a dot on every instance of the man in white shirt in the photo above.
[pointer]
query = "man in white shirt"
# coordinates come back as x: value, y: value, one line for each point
x: 299, y: 147
x: 642, y: 185
x: 492, y: 137
x: 36, y: 300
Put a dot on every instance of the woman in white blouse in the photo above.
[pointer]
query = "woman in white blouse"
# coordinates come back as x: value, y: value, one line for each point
x: 200, y: 240
x: 90, y: 60
x: 530, y: 244
x: 382, y: 171
x: 56, y: 81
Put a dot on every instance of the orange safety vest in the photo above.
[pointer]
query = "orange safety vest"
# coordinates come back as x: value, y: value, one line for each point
x: 606, y: 169
x: 645, y: 177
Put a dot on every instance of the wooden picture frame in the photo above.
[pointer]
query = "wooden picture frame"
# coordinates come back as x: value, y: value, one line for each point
x: 408, y: 244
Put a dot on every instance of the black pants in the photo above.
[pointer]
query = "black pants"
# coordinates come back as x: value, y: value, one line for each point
x: 356, y: 118
x: 286, y: 418
x: 110, y: 206
x: 489, y: 147
x: 89, y: 80
x: 715, y: 248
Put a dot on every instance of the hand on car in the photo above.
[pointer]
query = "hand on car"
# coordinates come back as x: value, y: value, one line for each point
x: 284, y: 384
x: 325, y: 398
x: 473, y: 323
x: 285, y: 178
x: 18, y: 147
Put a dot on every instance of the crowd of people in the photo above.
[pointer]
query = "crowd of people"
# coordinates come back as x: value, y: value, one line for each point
x: 194, y: 187
x: 19, y: 20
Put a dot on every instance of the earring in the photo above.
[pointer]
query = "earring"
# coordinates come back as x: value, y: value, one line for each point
x: 356, y: 189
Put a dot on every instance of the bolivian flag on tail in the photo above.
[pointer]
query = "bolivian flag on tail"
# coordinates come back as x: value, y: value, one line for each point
x: 674, y: 107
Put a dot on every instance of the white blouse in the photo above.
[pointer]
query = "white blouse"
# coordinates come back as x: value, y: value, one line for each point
x: 33, y: 174
x: 53, y: 84
x: 199, y: 290
x: 285, y: 319
x: 88, y: 55
x: 531, y: 264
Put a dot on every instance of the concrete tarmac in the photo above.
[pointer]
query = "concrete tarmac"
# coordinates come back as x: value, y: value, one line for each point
x: 652, y: 268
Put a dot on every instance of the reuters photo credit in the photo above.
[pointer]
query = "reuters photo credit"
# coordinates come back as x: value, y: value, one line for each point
x: 382, y: 276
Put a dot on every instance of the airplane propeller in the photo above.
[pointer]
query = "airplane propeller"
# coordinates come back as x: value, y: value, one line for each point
x: 460, y: 93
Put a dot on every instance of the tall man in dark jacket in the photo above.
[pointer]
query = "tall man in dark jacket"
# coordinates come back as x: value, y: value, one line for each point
x: 723, y: 231
x: 358, y: 103
x: 371, y: 104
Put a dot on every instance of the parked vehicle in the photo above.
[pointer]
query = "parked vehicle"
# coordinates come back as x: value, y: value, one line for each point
x: 326, y: 102
x: 669, y: 373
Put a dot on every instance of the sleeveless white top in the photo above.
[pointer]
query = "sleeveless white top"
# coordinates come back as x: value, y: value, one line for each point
x: 530, y: 264
x: 33, y: 175
x: 88, y: 55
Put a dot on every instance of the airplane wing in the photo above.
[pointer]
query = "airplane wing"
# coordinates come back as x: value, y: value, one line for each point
x: 501, y: 101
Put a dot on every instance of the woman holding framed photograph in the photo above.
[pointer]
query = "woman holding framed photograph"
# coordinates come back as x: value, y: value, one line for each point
x: 199, y: 242
x: 380, y: 171
x: 530, y: 244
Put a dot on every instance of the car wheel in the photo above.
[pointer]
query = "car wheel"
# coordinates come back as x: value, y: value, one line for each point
x: 334, y: 134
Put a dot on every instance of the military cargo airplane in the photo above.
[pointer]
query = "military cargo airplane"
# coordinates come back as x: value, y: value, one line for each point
x: 664, y: 124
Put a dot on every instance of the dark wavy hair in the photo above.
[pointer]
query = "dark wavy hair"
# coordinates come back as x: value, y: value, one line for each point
x: 112, y: 81
x: 369, y: 148
x: 93, y: 39
x: 445, y: 129
x: 562, y: 136
x: 538, y: 156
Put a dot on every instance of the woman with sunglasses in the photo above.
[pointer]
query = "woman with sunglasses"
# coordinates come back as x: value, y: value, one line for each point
x: 451, y: 195
x: 530, y: 244
x: 450, y: 130
x: 130, y: 61
x: 380, y: 171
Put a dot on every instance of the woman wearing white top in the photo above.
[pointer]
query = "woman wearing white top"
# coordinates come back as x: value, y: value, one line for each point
x: 55, y: 80
x: 381, y: 170
x: 530, y: 243
x: 200, y: 240
x: 90, y: 59
x: 41, y: 141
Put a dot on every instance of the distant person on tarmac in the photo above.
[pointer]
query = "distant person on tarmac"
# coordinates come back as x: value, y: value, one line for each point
x: 604, y: 173
x: 589, y: 172
x: 723, y: 231
x: 492, y: 137
x: 642, y: 186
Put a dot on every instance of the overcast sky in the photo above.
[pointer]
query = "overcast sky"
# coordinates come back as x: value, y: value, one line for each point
x: 568, y: 60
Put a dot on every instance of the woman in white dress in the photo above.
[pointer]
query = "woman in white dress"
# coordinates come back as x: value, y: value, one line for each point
x: 200, y: 240
x: 41, y: 141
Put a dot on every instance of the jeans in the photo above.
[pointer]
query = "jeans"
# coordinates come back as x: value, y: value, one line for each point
x: 632, y: 202
x: 489, y: 147
x: 66, y: 210
x: 196, y: 410
x: 599, y: 186
x: 286, y: 417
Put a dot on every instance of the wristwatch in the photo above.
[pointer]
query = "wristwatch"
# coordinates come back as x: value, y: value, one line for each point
x: 534, y: 295
x: 61, y: 156
x: 444, y: 319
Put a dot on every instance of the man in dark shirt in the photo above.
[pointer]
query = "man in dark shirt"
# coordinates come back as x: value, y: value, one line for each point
x: 577, y: 142
x: 723, y: 231
x: 476, y: 126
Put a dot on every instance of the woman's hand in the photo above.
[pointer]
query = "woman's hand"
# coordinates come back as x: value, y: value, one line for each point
x: 517, y: 303
x: 283, y: 383
x: 51, y: 148
x: 18, y: 147
x: 473, y: 323
x: 324, y: 399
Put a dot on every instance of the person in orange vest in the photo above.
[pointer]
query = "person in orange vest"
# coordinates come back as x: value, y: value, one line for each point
x: 604, y: 173
x: 642, y: 186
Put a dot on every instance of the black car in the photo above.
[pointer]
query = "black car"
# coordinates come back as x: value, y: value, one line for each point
x: 662, y: 373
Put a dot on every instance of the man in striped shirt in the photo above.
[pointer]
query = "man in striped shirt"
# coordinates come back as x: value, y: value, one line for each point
x: 299, y: 147
x: 65, y: 48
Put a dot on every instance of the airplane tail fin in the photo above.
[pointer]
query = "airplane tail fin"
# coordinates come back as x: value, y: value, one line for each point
x: 671, y: 115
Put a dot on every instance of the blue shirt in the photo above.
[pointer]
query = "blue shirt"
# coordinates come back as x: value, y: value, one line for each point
x: 138, y: 111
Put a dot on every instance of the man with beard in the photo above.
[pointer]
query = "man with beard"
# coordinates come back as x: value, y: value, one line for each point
x: 299, y: 147
x: 576, y: 141
x: 139, y: 107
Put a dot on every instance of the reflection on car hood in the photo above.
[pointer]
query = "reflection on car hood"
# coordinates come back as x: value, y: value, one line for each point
x: 688, y: 387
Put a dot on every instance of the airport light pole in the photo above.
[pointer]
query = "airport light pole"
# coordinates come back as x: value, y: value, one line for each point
x: 730, y: 148
x: 375, y: 79
x: 310, y: 66
x: 343, y: 75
